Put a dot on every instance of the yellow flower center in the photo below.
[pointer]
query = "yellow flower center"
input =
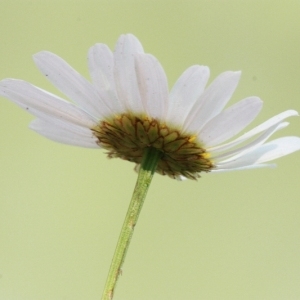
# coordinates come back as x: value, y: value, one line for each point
x: 126, y: 136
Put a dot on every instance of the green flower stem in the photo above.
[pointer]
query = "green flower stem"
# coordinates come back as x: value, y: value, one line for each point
x: 146, y: 172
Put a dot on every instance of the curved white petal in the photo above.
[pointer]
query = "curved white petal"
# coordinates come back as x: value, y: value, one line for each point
x: 258, y: 129
x: 153, y: 86
x: 282, y: 147
x: 71, y: 83
x: 212, y: 101
x: 266, y: 152
x: 230, y: 122
x: 101, y: 67
x: 124, y: 72
x: 245, y: 160
x: 185, y: 92
x: 244, y: 168
x: 68, y: 135
x: 63, y: 124
x: 35, y: 101
x: 234, y: 154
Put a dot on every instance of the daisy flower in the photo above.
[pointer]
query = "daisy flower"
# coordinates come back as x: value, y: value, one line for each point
x: 127, y: 107
x: 128, y: 110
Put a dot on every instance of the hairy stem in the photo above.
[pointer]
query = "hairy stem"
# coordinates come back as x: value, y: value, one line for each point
x: 146, y: 172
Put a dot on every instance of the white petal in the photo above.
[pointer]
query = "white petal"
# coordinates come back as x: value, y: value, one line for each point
x: 186, y: 91
x: 153, y: 85
x: 230, y: 122
x: 35, y: 100
x: 181, y: 178
x: 234, y: 154
x: 71, y: 83
x: 244, y: 168
x: 246, y: 160
x: 124, y: 72
x: 68, y: 135
x: 63, y: 124
x: 212, y: 101
x: 101, y: 67
x: 281, y: 147
x: 267, y: 152
x: 258, y: 129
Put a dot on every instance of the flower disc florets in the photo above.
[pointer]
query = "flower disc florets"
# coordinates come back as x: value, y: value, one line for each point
x: 126, y: 136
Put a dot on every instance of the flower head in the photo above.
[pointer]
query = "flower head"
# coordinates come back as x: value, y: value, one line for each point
x: 127, y: 108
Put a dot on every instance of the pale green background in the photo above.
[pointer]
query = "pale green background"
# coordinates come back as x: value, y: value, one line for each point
x: 227, y: 236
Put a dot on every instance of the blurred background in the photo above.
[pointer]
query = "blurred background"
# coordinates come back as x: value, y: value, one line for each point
x: 228, y: 236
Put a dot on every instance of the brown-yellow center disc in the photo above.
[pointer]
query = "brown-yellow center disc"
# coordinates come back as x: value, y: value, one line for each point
x: 126, y: 136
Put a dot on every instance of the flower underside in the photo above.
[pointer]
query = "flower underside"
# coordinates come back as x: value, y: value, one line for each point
x: 127, y: 136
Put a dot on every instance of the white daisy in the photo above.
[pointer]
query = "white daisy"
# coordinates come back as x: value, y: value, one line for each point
x: 127, y: 107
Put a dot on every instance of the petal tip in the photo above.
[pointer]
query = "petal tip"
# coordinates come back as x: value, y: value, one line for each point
x: 237, y: 73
